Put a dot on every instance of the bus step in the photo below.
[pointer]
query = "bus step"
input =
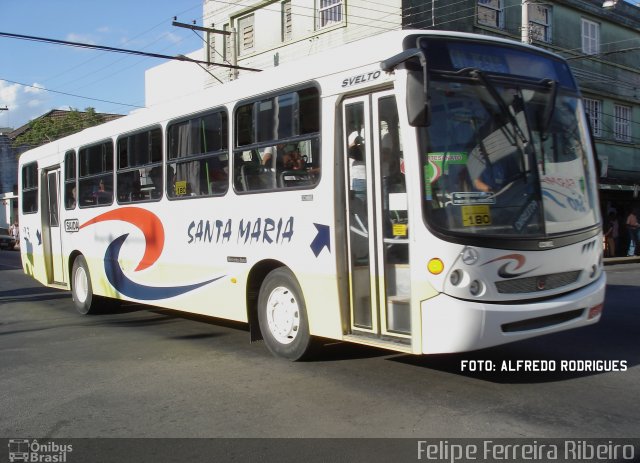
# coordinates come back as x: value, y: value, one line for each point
x: 395, y: 344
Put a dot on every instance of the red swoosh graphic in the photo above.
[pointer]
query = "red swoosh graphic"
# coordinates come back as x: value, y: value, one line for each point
x: 149, y: 225
x: 519, y: 258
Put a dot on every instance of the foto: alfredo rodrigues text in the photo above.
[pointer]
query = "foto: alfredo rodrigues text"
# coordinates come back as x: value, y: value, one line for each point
x: 543, y: 365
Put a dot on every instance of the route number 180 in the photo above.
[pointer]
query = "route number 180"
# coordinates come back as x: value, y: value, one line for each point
x: 476, y: 216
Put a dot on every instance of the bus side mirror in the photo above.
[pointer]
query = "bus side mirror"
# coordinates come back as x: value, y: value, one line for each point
x: 418, y: 108
x: 415, y: 62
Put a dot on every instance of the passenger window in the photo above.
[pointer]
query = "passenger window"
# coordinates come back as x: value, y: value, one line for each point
x: 95, y: 185
x: 140, y: 167
x: 277, y: 146
x: 70, y: 187
x: 198, y: 158
x: 30, y: 188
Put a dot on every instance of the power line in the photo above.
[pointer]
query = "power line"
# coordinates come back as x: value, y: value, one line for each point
x: 69, y: 69
x: 110, y: 65
x: 71, y: 94
x: 114, y: 62
x: 118, y: 50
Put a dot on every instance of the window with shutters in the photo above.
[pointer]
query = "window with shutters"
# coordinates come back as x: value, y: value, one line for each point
x: 287, y: 26
x: 540, y: 22
x: 329, y: 12
x: 622, y: 123
x: 590, y: 37
x: 246, y: 35
x: 227, y: 44
x: 593, y: 108
x: 490, y: 13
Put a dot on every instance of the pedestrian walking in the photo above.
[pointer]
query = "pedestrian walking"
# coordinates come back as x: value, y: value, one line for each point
x: 632, y: 231
x: 611, y: 235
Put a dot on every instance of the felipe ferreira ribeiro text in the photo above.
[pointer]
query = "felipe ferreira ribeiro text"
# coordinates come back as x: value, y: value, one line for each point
x: 544, y: 365
x: 488, y: 450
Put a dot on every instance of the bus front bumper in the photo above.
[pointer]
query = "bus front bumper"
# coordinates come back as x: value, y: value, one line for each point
x: 453, y: 325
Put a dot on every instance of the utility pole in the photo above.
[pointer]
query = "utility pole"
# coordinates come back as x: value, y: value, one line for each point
x: 231, y: 37
x: 525, y: 22
x: 233, y: 71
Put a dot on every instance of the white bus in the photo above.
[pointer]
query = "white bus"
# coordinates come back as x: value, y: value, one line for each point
x: 425, y: 192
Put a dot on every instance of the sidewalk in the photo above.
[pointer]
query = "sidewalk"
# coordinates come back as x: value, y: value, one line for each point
x: 621, y: 260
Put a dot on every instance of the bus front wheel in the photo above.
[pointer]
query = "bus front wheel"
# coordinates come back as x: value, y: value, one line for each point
x: 81, y: 290
x: 282, y: 315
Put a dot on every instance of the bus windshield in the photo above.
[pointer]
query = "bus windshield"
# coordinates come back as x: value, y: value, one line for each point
x: 506, y: 155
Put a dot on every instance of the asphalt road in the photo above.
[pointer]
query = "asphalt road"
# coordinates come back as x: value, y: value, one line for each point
x: 141, y: 372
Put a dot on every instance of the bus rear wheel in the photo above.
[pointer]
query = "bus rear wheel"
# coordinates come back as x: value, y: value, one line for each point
x: 81, y: 289
x: 282, y: 315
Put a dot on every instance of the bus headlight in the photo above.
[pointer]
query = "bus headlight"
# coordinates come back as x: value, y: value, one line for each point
x: 476, y: 287
x: 455, y: 278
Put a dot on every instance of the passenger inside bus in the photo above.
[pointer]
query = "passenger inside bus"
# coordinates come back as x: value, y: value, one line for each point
x: 101, y: 195
x: 285, y: 165
x: 71, y: 199
x: 290, y: 158
x: 156, y: 178
x: 267, y: 155
x: 357, y: 167
x: 495, y: 161
x: 496, y: 175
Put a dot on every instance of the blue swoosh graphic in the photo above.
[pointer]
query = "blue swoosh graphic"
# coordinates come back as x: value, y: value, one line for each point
x: 553, y: 198
x: 135, y: 290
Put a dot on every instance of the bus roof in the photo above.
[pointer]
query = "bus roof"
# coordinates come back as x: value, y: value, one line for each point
x: 352, y: 56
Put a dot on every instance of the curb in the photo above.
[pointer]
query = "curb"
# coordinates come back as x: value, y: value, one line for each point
x: 621, y: 260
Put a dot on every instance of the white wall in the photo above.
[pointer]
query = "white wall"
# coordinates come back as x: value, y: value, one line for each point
x: 174, y: 79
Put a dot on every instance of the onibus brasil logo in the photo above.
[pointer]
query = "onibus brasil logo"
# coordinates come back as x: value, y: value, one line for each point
x: 30, y: 450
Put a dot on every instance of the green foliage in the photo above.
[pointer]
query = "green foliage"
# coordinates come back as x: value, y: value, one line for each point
x: 47, y: 129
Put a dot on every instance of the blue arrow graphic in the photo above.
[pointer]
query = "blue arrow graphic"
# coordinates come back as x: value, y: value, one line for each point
x: 322, y: 239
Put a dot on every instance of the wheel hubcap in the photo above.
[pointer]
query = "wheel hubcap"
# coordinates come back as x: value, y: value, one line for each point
x: 283, y: 315
x: 81, y: 285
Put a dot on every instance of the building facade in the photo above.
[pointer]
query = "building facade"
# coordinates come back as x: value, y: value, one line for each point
x: 8, y: 180
x: 264, y: 34
x: 8, y: 162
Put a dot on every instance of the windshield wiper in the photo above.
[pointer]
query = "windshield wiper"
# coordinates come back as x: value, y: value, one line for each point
x: 482, y: 77
x: 549, y: 108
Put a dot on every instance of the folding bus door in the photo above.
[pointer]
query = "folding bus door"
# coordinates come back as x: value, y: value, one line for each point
x: 52, y: 234
x: 377, y: 219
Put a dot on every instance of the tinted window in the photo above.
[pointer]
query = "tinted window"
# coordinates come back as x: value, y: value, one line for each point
x: 30, y: 188
x: 277, y: 145
x: 95, y: 186
x: 198, y: 163
x: 70, y: 188
x: 140, y: 166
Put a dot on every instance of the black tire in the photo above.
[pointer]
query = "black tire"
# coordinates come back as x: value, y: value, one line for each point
x: 81, y: 291
x: 283, y: 316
